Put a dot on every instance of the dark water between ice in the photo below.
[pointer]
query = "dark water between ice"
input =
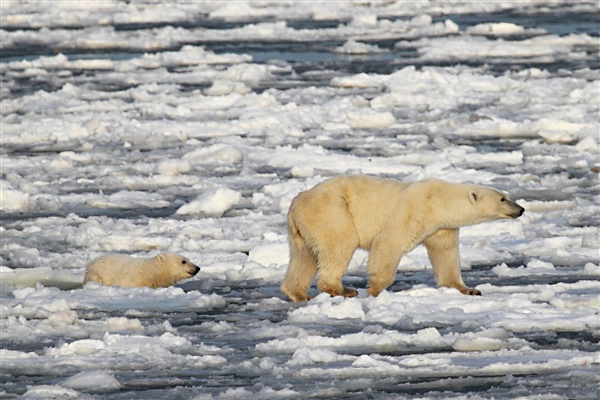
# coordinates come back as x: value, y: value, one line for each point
x: 311, y: 57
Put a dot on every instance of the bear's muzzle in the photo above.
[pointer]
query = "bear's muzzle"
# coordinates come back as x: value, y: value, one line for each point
x: 193, y: 270
x: 517, y: 210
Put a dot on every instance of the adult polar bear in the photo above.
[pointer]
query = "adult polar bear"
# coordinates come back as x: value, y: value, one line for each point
x: 327, y: 223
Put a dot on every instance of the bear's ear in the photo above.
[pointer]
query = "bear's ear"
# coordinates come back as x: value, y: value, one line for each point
x: 473, y: 196
x: 160, y: 257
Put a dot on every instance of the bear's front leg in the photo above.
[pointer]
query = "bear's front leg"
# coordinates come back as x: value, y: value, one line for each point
x: 442, y: 248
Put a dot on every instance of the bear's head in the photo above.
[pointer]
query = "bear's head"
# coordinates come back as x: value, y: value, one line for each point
x: 178, y: 266
x: 490, y: 204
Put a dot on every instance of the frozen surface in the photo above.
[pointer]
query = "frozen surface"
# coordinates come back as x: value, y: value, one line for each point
x: 138, y: 128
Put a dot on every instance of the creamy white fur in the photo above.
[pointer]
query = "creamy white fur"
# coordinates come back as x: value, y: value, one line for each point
x: 121, y: 270
x: 327, y: 223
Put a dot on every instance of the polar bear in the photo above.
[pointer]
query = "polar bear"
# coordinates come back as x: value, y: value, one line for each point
x: 327, y: 223
x: 121, y: 270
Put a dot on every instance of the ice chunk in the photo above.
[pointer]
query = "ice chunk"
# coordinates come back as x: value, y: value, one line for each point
x: 92, y: 380
x: 213, y: 203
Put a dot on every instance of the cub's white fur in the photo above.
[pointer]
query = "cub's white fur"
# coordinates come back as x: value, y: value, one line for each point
x: 121, y: 270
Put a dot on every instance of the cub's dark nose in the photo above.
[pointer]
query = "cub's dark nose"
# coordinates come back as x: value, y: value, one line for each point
x: 195, y: 271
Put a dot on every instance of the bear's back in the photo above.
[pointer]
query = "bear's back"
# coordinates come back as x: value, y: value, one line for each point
x: 115, y: 269
x: 361, y: 188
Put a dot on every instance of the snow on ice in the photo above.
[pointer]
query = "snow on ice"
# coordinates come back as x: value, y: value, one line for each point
x: 143, y: 127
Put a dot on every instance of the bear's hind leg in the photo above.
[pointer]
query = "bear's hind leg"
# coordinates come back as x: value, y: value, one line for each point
x: 300, y: 273
x: 93, y: 276
x: 442, y: 248
x: 333, y: 260
x: 384, y: 258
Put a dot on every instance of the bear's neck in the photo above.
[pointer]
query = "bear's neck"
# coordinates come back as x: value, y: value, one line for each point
x: 453, y: 213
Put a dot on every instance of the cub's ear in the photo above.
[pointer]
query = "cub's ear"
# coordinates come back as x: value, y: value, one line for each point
x: 160, y: 257
x: 473, y: 197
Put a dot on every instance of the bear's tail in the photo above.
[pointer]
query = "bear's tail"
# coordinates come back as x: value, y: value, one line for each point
x: 294, y: 236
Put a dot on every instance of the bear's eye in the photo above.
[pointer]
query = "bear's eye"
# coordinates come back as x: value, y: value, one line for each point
x: 503, y: 199
x: 184, y: 262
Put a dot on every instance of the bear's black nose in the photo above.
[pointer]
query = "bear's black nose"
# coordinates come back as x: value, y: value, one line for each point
x: 516, y: 210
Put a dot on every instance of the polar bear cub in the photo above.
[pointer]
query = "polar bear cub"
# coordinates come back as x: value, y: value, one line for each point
x: 121, y: 270
x: 327, y: 223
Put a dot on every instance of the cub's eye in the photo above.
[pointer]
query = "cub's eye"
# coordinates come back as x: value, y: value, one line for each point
x: 503, y: 199
x: 184, y: 262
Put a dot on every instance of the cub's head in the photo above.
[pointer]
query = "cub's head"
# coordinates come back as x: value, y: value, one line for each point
x: 492, y: 204
x: 178, y: 266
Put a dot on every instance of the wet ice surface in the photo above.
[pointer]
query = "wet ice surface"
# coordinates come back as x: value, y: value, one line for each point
x: 189, y: 127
